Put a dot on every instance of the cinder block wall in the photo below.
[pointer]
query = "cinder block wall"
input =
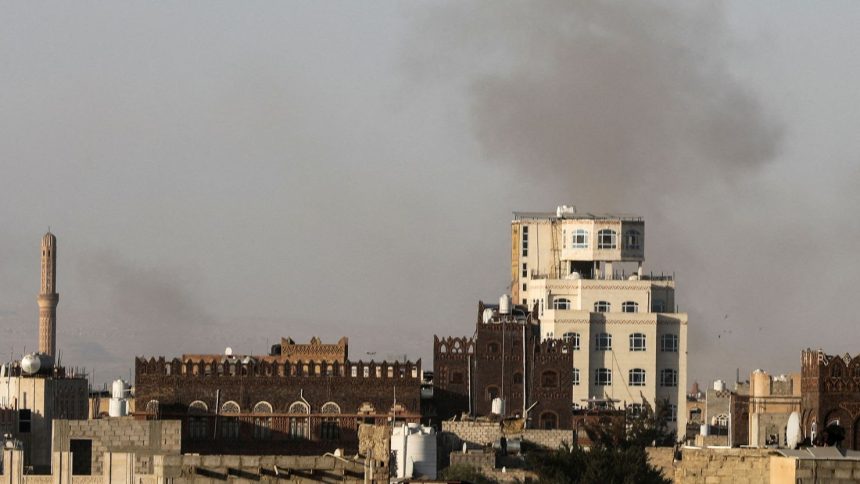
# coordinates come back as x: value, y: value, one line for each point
x: 479, y: 434
x: 144, y: 438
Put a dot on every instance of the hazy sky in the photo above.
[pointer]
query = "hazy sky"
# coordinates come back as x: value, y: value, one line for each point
x: 224, y: 174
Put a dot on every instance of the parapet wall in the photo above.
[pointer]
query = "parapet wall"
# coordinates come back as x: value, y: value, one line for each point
x: 479, y: 434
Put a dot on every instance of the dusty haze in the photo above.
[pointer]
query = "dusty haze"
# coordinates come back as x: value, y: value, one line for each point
x: 225, y: 175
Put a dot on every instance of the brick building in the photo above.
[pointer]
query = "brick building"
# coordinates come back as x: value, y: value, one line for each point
x: 830, y: 396
x: 274, y: 404
x: 506, y: 358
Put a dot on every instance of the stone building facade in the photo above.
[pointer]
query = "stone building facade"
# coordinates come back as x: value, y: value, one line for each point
x: 251, y: 404
x: 830, y: 395
x: 506, y: 358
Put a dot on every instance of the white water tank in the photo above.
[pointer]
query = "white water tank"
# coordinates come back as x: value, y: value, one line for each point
x: 719, y: 385
x: 421, y: 452
x: 32, y: 363
x: 498, y: 406
x: 117, y: 407
x: 505, y: 304
x: 414, y: 449
x: 119, y: 389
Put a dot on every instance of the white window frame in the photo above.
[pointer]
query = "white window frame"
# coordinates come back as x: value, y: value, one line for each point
x: 561, y: 303
x: 638, y: 342
x: 630, y: 307
x: 602, y: 306
x: 572, y: 338
x: 575, y: 377
x: 669, y: 377
x: 603, y: 377
x: 636, y: 377
x: 607, y: 239
x: 603, y: 342
x: 669, y: 343
x: 579, y: 239
x: 633, y: 239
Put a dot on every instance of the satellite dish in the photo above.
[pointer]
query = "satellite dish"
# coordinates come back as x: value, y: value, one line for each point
x: 792, y: 431
x: 228, y: 351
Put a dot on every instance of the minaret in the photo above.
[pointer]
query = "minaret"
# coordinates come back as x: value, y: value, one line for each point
x: 48, y: 297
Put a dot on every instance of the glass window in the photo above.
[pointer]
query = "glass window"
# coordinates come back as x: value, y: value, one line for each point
x: 580, y: 239
x: 602, y: 307
x: 603, y: 377
x: 669, y: 343
x: 525, y: 240
x: 668, y: 378
x: 576, y: 377
x: 607, y: 239
x: 658, y: 307
x: 673, y: 412
x: 636, y: 377
x: 298, y: 428
x: 548, y: 421
x: 525, y: 270
x: 632, y: 240
x: 637, y: 342
x: 629, y: 307
x: 230, y: 407
x: 198, y: 428
x: 635, y: 409
x: 230, y: 428
x: 329, y: 429
x: 560, y: 303
x: 492, y: 392
x: 603, y: 342
x: 572, y: 338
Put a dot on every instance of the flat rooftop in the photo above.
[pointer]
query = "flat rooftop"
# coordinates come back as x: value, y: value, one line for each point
x: 576, y: 216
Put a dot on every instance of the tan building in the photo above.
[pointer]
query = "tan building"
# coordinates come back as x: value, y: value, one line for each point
x: 772, y: 401
x: 36, y: 401
x: 585, y: 274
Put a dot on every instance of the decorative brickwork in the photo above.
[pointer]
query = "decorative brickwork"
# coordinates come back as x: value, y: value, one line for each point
x: 505, y: 359
x: 830, y: 393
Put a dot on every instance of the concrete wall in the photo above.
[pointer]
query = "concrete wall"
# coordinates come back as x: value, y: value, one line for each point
x: 144, y: 438
x: 809, y: 471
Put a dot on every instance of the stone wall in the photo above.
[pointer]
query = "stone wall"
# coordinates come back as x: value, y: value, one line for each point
x: 145, y: 438
x: 810, y: 471
x: 182, y: 469
x: 714, y: 465
x: 479, y: 434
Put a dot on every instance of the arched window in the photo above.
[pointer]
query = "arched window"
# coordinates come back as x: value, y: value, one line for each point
x: 492, y: 392
x: 836, y: 371
x: 636, y: 377
x: 629, y: 307
x: 637, y: 342
x: 152, y: 407
x: 548, y: 420
x: 668, y: 377
x: 366, y: 408
x: 198, y: 407
x: 299, y: 407
x: 263, y: 407
x: 229, y: 425
x: 299, y: 426
x: 580, y: 239
x: 603, y: 342
x: 632, y: 240
x: 330, y: 407
x: 549, y: 379
x: 669, y: 343
x: 572, y: 338
x: 262, y: 425
x: 493, y: 348
x: 602, y: 307
x: 230, y: 407
x: 560, y: 303
x: 575, y: 377
x: 721, y: 420
x: 607, y: 239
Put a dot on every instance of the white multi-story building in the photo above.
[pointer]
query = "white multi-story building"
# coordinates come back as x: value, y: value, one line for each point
x: 584, y: 274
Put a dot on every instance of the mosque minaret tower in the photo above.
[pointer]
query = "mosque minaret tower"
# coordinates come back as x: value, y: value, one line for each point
x: 48, y: 297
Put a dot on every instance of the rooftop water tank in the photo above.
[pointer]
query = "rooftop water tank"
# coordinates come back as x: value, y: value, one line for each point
x: 117, y: 407
x: 719, y: 385
x: 498, y: 406
x: 414, y: 449
x: 505, y: 304
x: 34, y: 362
x: 119, y: 389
